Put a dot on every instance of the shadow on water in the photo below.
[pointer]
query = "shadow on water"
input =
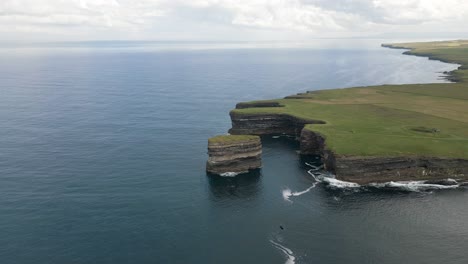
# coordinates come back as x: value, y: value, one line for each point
x: 280, y: 140
x: 283, y: 144
x: 242, y: 186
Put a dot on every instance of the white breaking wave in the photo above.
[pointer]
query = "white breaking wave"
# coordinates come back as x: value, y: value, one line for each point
x: 315, y: 168
x: 411, y: 186
x: 314, y: 175
x: 280, y: 136
x: 229, y: 174
x: 286, y: 251
x: 414, y: 186
x: 334, y: 183
x: 330, y: 179
x: 286, y: 194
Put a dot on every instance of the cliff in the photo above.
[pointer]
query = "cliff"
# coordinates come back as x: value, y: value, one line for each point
x: 365, y: 170
x: 362, y: 169
x: 377, y: 133
x: 233, y: 154
x: 267, y: 124
x: 377, y: 169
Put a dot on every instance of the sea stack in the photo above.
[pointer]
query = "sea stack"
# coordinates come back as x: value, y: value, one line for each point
x: 229, y: 155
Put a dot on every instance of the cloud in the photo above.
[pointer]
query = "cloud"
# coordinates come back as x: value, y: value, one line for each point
x: 99, y: 13
x: 293, y: 15
x: 65, y: 17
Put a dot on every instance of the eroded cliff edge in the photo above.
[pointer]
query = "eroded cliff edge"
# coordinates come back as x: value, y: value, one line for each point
x: 374, y: 169
x: 359, y: 169
x: 377, y: 133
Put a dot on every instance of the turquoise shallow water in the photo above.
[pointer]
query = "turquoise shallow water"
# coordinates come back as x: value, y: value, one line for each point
x: 102, y: 155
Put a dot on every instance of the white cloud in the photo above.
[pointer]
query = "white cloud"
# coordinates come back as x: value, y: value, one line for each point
x: 149, y: 18
x: 417, y: 11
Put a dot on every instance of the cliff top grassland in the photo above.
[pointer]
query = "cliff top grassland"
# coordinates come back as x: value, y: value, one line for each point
x: 428, y: 120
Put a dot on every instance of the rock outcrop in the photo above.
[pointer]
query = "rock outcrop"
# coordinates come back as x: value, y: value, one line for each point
x: 267, y: 124
x: 365, y: 170
x: 231, y: 155
x: 311, y: 143
x: 362, y: 170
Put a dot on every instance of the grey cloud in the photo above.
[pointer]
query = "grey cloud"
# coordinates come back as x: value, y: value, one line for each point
x: 147, y: 18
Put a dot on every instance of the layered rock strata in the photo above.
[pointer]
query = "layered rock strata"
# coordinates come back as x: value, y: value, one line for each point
x: 267, y: 124
x: 230, y: 155
x: 365, y: 170
x: 362, y: 170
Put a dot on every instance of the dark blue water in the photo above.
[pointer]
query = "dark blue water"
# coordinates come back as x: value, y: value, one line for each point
x: 102, y: 155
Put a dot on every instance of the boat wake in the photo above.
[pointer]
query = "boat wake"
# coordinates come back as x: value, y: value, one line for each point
x: 291, y: 259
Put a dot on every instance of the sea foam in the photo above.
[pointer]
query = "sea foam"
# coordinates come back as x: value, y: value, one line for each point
x: 229, y: 174
x: 413, y: 186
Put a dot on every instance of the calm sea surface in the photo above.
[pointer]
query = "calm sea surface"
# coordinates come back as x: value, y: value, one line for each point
x: 103, y: 150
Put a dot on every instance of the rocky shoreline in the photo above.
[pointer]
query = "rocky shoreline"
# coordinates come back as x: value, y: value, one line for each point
x: 388, y: 132
x: 361, y: 170
x: 267, y: 124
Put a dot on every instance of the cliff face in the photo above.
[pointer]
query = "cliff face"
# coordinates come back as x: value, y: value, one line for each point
x: 311, y: 143
x: 264, y: 124
x: 364, y: 170
x: 234, y: 156
x: 267, y: 124
x: 397, y: 119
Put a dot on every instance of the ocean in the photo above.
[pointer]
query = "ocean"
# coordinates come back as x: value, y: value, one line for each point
x: 103, y: 151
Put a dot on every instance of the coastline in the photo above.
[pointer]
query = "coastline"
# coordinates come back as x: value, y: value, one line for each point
x: 450, y: 76
x: 418, y: 154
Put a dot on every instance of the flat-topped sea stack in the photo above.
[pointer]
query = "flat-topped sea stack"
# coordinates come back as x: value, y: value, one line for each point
x: 234, y: 154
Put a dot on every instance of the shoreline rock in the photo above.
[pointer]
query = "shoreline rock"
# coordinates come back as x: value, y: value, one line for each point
x: 267, y: 124
x: 365, y: 169
x: 361, y: 170
x: 231, y: 155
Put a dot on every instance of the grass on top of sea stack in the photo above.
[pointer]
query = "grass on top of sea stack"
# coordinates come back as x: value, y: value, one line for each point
x: 391, y: 120
x: 231, y: 139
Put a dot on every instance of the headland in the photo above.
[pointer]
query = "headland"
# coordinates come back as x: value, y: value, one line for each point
x: 381, y: 133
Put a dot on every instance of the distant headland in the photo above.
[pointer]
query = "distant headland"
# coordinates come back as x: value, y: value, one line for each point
x: 381, y: 133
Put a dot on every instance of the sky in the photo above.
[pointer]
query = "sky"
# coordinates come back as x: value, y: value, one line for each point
x: 230, y: 20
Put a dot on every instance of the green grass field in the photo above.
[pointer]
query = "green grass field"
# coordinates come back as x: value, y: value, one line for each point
x: 392, y: 120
